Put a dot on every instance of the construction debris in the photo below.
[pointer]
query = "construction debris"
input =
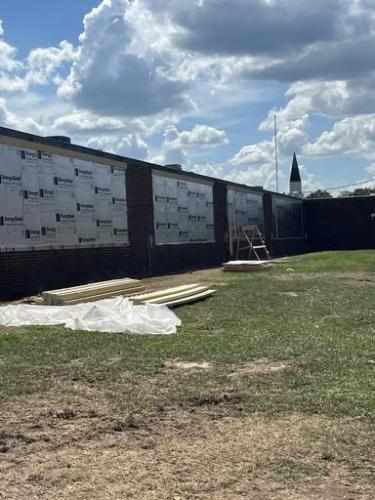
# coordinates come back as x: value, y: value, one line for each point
x: 247, y: 265
x: 130, y: 288
x: 93, y: 292
x: 175, y: 296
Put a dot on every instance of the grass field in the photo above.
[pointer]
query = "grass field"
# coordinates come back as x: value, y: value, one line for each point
x: 267, y: 391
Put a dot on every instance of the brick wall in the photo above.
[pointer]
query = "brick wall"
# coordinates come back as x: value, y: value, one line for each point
x: 268, y: 219
x: 221, y: 221
x: 25, y: 273
x: 279, y: 247
x: 292, y: 246
x: 340, y: 223
x: 140, y: 216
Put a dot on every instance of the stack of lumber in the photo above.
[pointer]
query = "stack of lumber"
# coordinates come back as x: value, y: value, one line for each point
x: 247, y: 265
x: 175, y: 296
x: 92, y: 291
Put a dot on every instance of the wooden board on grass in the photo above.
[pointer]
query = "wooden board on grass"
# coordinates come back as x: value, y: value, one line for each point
x: 192, y: 298
x: 175, y: 296
x: 123, y: 293
x: 163, y: 293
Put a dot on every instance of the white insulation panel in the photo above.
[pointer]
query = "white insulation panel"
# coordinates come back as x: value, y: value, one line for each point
x: 183, y: 210
x: 51, y: 201
x: 244, y: 208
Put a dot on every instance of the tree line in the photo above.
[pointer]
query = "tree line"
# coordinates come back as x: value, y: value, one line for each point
x: 322, y: 193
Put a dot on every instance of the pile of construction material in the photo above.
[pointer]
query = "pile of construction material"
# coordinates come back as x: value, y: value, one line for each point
x: 247, y: 265
x: 175, y: 296
x: 93, y: 292
x: 107, y: 306
x: 126, y: 287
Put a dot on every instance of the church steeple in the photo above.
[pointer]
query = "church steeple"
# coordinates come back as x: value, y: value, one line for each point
x: 295, y: 184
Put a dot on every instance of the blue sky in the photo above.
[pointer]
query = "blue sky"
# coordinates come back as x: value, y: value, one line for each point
x: 198, y: 82
x: 41, y: 23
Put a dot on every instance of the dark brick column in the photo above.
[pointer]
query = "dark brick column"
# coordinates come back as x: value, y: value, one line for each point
x: 140, y: 217
x: 221, y: 220
x: 268, y: 220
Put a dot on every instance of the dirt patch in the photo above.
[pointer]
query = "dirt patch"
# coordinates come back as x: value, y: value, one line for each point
x: 214, y: 276
x: 76, y: 444
x: 226, y: 398
x: 290, y: 276
x: 187, y: 365
x: 359, y: 278
x: 261, y: 367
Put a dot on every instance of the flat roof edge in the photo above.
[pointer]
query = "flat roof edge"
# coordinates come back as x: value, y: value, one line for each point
x: 26, y: 136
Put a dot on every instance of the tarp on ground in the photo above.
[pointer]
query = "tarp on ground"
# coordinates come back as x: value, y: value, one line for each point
x: 117, y: 315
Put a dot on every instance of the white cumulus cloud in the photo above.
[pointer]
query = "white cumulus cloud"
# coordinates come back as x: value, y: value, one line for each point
x: 114, y: 74
x: 130, y: 145
x: 11, y: 120
x: 44, y: 64
x: 179, y: 146
x: 350, y: 136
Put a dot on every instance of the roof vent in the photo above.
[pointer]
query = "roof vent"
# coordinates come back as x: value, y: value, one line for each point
x: 61, y: 139
x: 174, y: 166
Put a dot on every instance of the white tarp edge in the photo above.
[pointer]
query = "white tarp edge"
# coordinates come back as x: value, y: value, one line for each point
x: 118, y: 315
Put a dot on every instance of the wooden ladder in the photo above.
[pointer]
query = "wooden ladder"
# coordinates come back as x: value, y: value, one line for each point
x: 250, y: 238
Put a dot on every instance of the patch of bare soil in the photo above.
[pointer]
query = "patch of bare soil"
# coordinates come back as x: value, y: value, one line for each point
x: 260, y: 367
x: 303, y: 276
x: 359, y: 278
x: 77, y: 443
x: 188, y: 365
x: 214, y: 276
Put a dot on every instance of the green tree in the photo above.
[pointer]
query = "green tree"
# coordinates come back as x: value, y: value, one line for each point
x: 366, y: 191
x: 319, y: 193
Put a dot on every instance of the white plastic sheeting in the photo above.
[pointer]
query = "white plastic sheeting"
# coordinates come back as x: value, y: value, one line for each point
x: 118, y: 315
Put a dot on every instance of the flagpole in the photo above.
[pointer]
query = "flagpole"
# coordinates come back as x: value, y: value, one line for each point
x: 276, y: 155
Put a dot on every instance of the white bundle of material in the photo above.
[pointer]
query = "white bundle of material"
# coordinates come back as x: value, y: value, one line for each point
x: 117, y: 315
x: 247, y: 265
